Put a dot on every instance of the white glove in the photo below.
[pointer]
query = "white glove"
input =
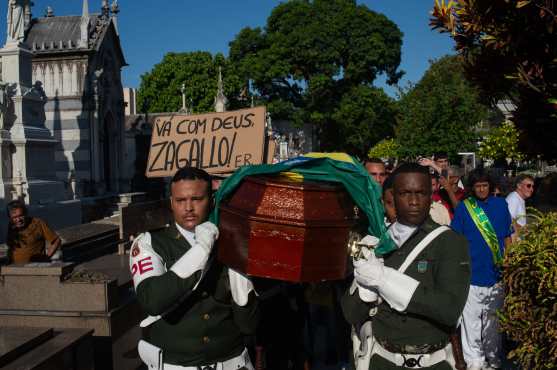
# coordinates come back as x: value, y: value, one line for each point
x: 393, y: 286
x: 364, y: 247
x: 369, y: 272
x: 198, y: 255
x: 240, y: 286
x: 205, y: 235
x: 369, y: 240
x: 366, y: 295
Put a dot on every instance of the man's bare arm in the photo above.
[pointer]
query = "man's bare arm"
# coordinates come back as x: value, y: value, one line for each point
x: 53, y: 247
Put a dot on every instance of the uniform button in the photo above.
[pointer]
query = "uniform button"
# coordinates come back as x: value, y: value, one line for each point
x: 206, y: 316
x: 206, y: 340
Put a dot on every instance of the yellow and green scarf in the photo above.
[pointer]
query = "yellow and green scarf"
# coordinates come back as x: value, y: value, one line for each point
x: 486, y: 229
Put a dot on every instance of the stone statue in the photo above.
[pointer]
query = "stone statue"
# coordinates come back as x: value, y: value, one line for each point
x: 16, y: 20
x: 3, y: 102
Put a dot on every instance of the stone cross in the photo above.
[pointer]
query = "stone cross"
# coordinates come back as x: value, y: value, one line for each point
x: 220, y: 100
x: 184, y: 108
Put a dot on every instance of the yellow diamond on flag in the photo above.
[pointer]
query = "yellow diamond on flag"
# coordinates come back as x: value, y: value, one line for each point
x: 336, y: 156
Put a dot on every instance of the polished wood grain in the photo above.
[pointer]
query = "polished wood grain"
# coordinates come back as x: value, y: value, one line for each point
x: 293, y: 231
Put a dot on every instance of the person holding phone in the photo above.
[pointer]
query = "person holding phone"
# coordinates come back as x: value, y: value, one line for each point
x: 450, y: 192
x: 439, y: 163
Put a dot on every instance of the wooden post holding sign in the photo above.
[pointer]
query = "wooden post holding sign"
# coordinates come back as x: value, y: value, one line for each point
x: 215, y: 142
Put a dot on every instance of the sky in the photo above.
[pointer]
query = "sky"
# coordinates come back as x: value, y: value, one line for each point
x: 150, y: 29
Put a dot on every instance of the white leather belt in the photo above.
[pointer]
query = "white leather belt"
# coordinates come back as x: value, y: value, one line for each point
x: 235, y: 363
x: 414, y: 361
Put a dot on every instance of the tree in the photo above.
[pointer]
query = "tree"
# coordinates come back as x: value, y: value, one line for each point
x: 386, y: 148
x: 501, y: 143
x: 440, y: 112
x: 315, y: 62
x: 510, y: 51
x: 364, y: 115
x: 160, y: 89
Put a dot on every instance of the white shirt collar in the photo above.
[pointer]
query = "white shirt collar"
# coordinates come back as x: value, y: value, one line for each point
x: 400, y: 233
x: 190, y: 237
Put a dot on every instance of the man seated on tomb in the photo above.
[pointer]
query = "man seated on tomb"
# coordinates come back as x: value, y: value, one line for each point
x: 29, y: 239
x: 200, y: 310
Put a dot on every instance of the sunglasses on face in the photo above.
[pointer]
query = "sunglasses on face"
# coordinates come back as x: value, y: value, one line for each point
x: 378, y: 174
x: 529, y: 186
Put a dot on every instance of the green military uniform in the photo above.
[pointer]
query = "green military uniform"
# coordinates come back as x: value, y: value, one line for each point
x: 200, y: 324
x: 443, y: 272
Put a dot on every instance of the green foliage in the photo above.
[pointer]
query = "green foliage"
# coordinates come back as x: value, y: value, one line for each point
x: 386, y: 148
x: 440, y: 112
x: 529, y: 314
x: 510, y: 49
x: 315, y: 62
x: 501, y: 143
x: 365, y: 115
x: 161, y: 87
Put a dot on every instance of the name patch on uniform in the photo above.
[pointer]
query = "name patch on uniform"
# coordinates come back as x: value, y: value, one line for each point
x: 422, y: 266
x: 142, y: 266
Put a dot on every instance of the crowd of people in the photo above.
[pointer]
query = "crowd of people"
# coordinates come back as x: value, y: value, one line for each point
x: 431, y: 303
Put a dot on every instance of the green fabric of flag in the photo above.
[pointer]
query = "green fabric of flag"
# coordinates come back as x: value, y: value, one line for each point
x: 365, y: 192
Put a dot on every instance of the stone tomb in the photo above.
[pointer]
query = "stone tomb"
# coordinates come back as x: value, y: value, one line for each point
x: 96, y: 295
x: 45, y: 349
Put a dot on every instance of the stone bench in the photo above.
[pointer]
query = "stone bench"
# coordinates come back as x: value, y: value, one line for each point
x: 45, y: 349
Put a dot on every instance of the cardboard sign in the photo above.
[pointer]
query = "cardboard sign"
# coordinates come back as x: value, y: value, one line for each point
x: 215, y: 142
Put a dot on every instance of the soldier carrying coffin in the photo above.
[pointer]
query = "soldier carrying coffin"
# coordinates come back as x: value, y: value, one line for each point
x: 405, y: 306
x: 200, y: 310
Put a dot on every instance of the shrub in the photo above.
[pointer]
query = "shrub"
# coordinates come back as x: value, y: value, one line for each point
x: 529, y: 314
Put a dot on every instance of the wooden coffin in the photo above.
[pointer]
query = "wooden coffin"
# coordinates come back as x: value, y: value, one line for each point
x: 294, y: 231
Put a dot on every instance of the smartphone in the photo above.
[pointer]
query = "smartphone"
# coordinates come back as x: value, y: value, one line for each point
x: 445, y: 173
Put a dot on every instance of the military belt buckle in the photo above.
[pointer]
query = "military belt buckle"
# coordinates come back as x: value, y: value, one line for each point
x: 208, y: 367
x: 411, y: 362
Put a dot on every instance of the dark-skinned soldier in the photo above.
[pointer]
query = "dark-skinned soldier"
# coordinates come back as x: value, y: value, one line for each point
x: 199, y: 310
x: 407, y: 304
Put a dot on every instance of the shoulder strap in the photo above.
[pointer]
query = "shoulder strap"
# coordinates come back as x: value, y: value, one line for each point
x: 421, y: 246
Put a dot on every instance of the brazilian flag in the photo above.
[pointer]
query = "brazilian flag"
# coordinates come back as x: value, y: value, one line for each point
x: 331, y: 167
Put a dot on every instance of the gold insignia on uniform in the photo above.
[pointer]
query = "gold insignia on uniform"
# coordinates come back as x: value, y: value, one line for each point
x: 135, y: 251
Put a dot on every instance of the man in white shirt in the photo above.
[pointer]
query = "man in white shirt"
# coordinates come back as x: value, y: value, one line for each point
x: 516, y: 200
